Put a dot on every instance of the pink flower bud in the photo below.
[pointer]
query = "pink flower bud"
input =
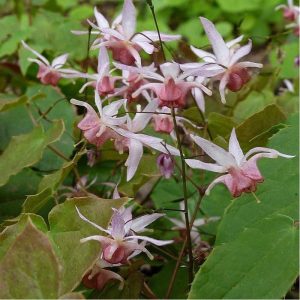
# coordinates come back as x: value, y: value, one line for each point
x: 106, y: 86
x: 48, y: 75
x: 289, y: 14
x: 237, y: 78
x: 114, y: 254
x: 163, y: 123
x: 166, y: 165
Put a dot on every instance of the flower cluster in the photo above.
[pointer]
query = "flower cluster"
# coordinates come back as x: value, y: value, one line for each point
x: 156, y: 92
x: 121, y: 243
x: 130, y: 94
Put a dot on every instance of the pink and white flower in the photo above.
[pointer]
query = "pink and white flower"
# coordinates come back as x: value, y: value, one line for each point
x: 103, y: 82
x: 290, y: 11
x: 97, y: 129
x: 172, y: 89
x: 48, y: 73
x: 122, y: 39
x: 166, y: 165
x: 225, y: 60
x: 241, y: 171
x: 122, y: 241
x: 99, y: 276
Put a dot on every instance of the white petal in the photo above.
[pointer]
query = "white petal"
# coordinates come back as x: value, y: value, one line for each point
x: 153, y: 36
x: 220, y: 179
x: 134, y: 157
x: 199, y: 98
x: 113, y: 108
x: 90, y: 222
x: 103, y: 62
x: 170, y: 70
x: 147, y: 47
x: 221, y: 51
x: 139, y: 224
x: 197, y: 164
x: 222, y: 87
x: 59, y: 61
x: 234, y: 147
x: 142, y: 119
x: 241, y: 52
x: 101, y: 20
x: 206, y: 56
x: 249, y: 64
x: 222, y: 157
x: 128, y: 18
x: 266, y: 151
x: 235, y: 41
x: 148, y: 239
x: 41, y: 57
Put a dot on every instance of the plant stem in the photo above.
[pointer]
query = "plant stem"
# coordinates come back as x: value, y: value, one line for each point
x: 156, y: 26
x: 185, y: 197
x: 171, y: 284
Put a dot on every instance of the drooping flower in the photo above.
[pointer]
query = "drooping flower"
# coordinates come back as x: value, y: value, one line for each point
x: 163, y: 121
x: 180, y: 224
x: 103, y: 81
x: 290, y: 11
x: 225, y: 60
x: 133, y: 78
x: 166, y: 165
x: 97, y: 129
x: 241, y: 171
x: 99, y: 276
x: 121, y: 38
x: 121, y: 242
x: 172, y: 88
x: 48, y: 73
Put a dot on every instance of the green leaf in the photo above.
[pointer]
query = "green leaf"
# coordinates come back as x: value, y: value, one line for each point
x: 30, y: 268
x: 146, y: 170
x: 262, y: 121
x: 66, y: 230
x: 48, y: 186
x: 25, y: 150
x: 10, y: 233
x: 219, y: 124
x: 254, y: 240
x: 253, y: 103
x: 235, y: 6
x: 9, y: 103
x: 285, y: 60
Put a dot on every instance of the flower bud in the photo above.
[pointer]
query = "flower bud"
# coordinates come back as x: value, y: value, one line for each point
x: 237, y: 78
x: 166, y: 165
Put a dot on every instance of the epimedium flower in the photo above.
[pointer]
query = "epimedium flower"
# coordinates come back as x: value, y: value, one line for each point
x: 241, y: 171
x: 290, y: 11
x: 99, y: 276
x: 48, y: 73
x: 172, y: 88
x: 133, y: 78
x: 163, y: 121
x: 232, y: 73
x: 122, y: 241
x: 102, y: 81
x: 129, y: 139
x: 166, y: 165
x: 121, y: 38
x: 97, y: 129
